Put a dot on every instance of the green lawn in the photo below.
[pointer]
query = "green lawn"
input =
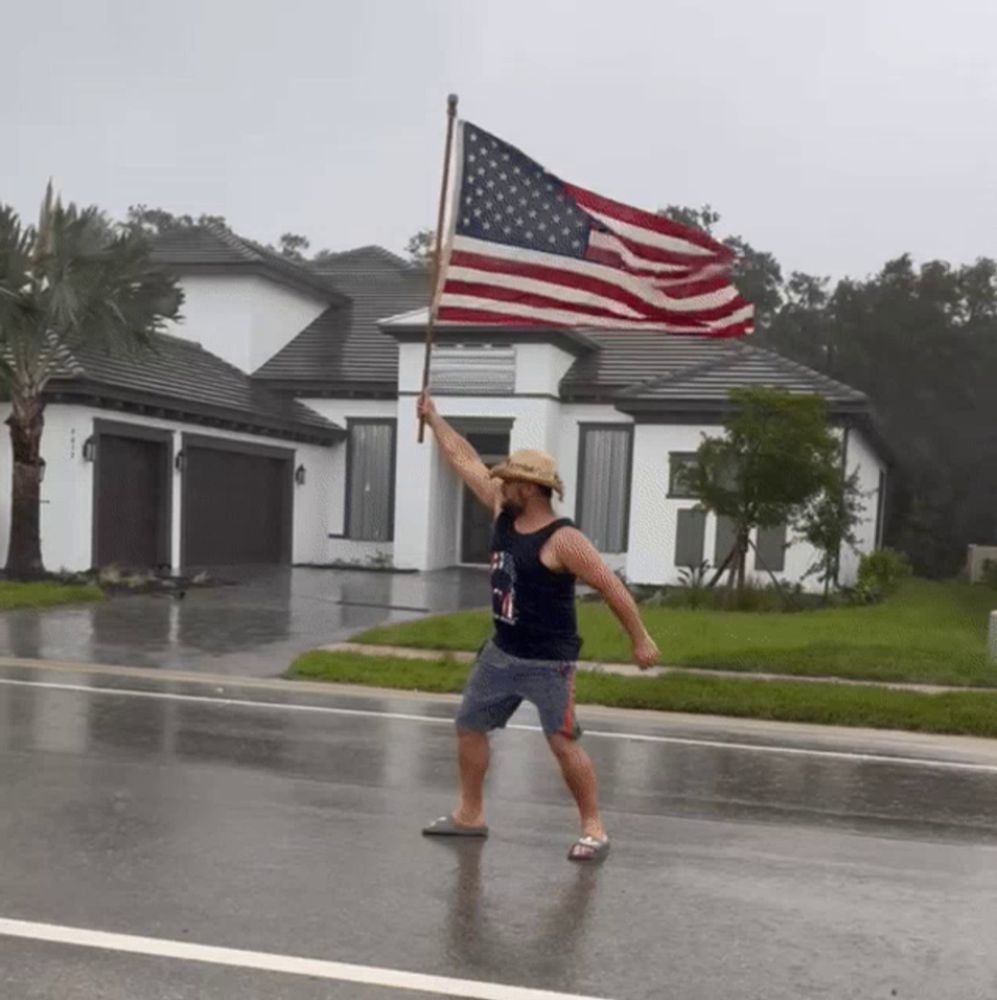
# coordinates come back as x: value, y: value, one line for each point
x: 966, y: 713
x: 45, y: 595
x: 931, y: 631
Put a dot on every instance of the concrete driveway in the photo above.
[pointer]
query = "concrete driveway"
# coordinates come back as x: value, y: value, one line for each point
x: 253, y: 628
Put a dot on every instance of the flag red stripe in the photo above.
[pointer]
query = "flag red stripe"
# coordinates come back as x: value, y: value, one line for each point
x: 597, y: 286
x: 464, y: 314
x: 692, y: 289
x: 461, y: 314
x: 661, y: 256
x: 600, y: 255
x: 648, y: 220
x: 500, y: 293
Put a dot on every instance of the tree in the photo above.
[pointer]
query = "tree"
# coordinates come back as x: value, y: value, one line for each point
x: 829, y: 521
x: 420, y: 247
x: 773, y: 458
x: 75, y: 279
x: 293, y: 245
x: 153, y: 221
x: 156, y: 221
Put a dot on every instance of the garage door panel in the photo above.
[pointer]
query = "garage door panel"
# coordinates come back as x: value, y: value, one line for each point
x: 237, y: 508
x: 131, y: 502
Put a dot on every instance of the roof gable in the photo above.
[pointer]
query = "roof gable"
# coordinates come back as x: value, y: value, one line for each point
x: 344, y: 348
x: 213, y: 249
x: 180, y: 376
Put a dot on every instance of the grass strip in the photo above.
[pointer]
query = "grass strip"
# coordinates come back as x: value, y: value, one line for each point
x: 930, y: 632
x: 45, y: 595
x: 963, y: 713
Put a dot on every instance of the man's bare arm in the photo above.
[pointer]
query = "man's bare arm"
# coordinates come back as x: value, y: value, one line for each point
x: 462, y: 457
x: 575, y: 554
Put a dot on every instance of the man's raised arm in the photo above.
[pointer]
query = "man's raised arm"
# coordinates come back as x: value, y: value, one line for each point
x: 466, y: 462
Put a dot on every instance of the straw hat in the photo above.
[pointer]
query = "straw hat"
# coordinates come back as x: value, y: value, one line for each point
x: 529, y: 466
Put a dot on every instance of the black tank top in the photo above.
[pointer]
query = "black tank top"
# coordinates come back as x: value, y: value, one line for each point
x: 533, y: 608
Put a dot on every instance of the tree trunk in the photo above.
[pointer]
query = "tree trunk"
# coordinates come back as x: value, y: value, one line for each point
x: 742, y: 558
x: 26, y: 421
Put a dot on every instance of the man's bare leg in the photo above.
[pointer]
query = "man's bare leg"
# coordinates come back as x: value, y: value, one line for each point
x: 580, y: 777
x: 473, y: 754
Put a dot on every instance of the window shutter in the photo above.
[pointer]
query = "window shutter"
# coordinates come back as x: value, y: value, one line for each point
x: 724, y: 540
x: 771, y: 553
x: 689, y: 536
x: 472, y: 369
x: 371, y: 479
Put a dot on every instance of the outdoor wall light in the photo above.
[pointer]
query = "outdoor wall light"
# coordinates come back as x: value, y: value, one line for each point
x: 90, y: 449
x: 180, y: 461
x: 299, y: 475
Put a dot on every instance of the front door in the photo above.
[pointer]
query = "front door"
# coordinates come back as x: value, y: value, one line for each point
x: 476, y: 522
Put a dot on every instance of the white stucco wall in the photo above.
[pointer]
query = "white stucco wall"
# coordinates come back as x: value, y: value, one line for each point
x: 67, y: 491
x: 244, y: 319
x: 427, y: 499
x: 540, y: 367
x: 654, y: 516
x: 861, y: 456
x: 340, y: 411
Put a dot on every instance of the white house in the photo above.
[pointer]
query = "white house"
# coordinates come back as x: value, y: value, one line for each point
x: 278, y: 425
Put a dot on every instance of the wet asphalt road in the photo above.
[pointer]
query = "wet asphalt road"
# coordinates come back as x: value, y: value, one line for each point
x: 794, y: 864
x: 252, y: 627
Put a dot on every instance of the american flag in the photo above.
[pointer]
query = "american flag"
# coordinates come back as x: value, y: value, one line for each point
x: 528, y: 249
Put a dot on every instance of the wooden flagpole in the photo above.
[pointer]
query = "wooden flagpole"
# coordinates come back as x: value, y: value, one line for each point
x: 438, y: 250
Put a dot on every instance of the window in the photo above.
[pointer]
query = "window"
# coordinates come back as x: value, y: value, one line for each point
x: 680, y: 466
x: 603, y: 505
x: 370, y: 477
x: 689, y: 535
x: 473, y: 370
x: 771, y: 554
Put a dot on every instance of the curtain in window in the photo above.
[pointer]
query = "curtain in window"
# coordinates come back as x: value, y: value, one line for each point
x: 604, y: 492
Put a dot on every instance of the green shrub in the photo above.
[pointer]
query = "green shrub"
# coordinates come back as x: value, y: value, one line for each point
x: 755, y: 597
x: 989, y: 574
x: 882, y: 573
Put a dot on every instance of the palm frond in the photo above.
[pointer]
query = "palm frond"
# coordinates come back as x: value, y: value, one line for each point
x: 76, y: 280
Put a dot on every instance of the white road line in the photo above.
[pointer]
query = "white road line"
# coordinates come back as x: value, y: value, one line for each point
x: 269, y: 962
x: 851, y: 755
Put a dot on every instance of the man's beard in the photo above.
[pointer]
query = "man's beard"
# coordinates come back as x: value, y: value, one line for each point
x: 511, y: 507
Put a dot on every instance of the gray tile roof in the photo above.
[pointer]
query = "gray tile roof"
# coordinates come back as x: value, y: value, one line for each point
x: 345, y: 350
x: 344, y: 347
x: 647, y: 368
x: 179, y: 376
x: 626, y: 357
x: 360, y: 259
x: 213, y: 248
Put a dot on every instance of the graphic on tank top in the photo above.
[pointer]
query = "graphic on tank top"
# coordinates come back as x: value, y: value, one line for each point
x: 504, y: 587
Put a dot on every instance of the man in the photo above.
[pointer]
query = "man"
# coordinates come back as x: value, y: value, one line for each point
x: 536, y: 558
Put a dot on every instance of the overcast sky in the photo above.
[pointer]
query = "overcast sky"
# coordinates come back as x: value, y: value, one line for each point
x: 835, y: 134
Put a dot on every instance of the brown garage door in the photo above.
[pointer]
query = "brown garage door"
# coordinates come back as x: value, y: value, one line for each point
x: 236, y: 505
x: 131, y: 498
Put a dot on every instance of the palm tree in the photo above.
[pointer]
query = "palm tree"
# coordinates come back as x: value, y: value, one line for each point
x: 75, y: 280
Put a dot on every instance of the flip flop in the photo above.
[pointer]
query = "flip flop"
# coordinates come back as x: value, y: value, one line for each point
x: 447, y: 826
x: 595, y: 849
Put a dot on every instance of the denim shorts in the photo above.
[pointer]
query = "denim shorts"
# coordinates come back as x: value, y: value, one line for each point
x: 500, y: 683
